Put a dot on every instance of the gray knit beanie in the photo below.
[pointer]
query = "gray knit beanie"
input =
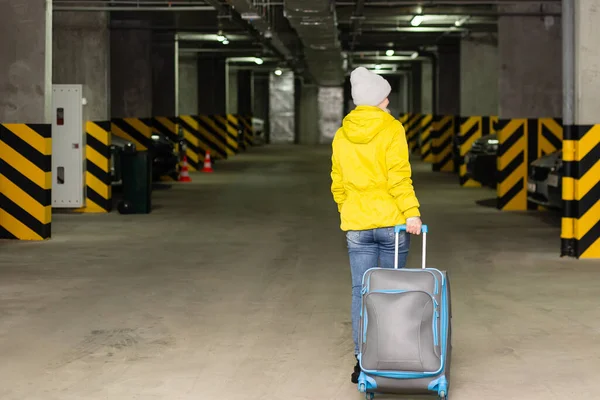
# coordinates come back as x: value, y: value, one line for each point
x: 368, y: 88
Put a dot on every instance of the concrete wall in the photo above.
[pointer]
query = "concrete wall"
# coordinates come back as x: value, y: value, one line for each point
x: 308, y: 119
x: 163, y: 76
x: 331, y: 109
x: 530, y: 51
x: 81, y: 56
x: 282, y: 108
x: 479, y: 73
x: 23, y: 81
x: 426, y: 88
x: 188, y: 85
x: 448, y: 81
x: 131, y: 72
x: 211, y: 86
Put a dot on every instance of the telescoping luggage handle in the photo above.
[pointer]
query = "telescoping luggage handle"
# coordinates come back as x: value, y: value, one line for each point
x: 400, y: 228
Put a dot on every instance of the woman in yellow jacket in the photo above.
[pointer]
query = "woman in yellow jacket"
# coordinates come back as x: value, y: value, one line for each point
x: 371, y: 184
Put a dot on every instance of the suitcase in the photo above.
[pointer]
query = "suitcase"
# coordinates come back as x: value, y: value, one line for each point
x: 405, y: 329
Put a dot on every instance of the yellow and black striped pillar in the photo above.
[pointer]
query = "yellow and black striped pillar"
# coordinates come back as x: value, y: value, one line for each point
x: 228, y: 132
x: 580, y: 228
x: 403, y: 118
x: 136, y: 130
x: 550, y: 136
x: 212, y: 134
x: 25, y: 181
x: 246, y: 124
x: 195, y: 147
x: 470, y: 130
x: 442, y: 131
x: 235, y: 123
x: 169, y: 127
x: 98, y: 188
x: 425, y: 138
x: 412, y: 128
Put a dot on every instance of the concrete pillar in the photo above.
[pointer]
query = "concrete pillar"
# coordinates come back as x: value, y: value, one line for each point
x: 330, y: 112
x: 415, y: 88
x: 426, y: 87
x: 232, y: 90
x: 188, y: 84
x: 587, y: 63
x: 580, y: 226
x: 25, y: 81
x: 163, y: 75
x: 131, y: 71
x: 282, y: 108
x: 448, y: 81
x: 308, y: 118
x: 260, y: 105
x: 530, y: 54
x: 244, y: 92
x: 479, y: 73
x: 212, y: 86
x: 81, y: 46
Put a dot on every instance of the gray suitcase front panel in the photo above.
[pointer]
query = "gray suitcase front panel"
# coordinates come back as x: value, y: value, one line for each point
x: 399, y: 332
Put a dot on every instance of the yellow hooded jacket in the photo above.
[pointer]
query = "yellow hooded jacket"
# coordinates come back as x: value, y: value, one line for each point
x: 371, y: 174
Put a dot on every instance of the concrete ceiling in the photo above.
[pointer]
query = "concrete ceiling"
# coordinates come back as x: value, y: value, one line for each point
x: 320, y: 38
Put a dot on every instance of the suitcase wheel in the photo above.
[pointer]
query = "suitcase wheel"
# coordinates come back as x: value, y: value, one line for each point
x: 369, y: 396
x: 443, y: 395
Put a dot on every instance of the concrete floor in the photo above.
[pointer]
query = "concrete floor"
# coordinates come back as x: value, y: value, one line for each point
x: 237, y: 287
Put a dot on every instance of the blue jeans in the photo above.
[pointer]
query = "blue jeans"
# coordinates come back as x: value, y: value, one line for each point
x: 368, y: 249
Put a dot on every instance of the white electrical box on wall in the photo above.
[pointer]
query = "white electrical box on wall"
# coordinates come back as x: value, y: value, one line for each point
x: 68, y: 147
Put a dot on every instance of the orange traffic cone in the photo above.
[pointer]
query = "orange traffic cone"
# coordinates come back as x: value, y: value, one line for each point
x: 184, y: 176
x: 207, y: 163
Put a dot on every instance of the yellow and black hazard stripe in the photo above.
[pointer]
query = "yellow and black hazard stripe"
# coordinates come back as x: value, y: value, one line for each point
x: 98, y: 188
x: 214, y: 137
x: 580, y: 228
x: 412, y: 127
x: 167, y: 126
x: 235, y: 122
x: 229, y: 134
x: 195, y: 147
x: 517, y: 147
x: 25, y: 181
x: 246, y: 122
x: 470, y: 131
x: 550, y: 136
x: 425, y: 138
x: 404, y: 117
x: 442, y: 132
x: 136, y: 130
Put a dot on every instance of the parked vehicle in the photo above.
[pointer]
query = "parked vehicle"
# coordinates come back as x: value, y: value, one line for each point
x: 481, y: 160
x: 544, y: 183
x: 165, y: 157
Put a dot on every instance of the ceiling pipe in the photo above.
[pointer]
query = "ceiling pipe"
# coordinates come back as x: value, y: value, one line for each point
x: 132, y: 8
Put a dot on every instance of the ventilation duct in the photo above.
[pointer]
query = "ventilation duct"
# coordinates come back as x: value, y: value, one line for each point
x: 316, y: 24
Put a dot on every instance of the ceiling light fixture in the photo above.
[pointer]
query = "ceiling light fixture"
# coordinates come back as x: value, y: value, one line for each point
x: 225, y: 41
x: 389, y: 53
x: 378, y: 66
x: 461, y: 21
x: 417, y: 19
x: 278, y: 72
x: 414, y: 55
x: 258, y: 60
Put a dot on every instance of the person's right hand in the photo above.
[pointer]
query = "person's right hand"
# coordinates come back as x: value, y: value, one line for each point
x: 413, y: 225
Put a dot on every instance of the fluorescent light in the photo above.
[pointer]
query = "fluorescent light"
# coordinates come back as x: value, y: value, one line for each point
x: 278, y: 72
x: 378, y: 66
x: 461, y: 21
x: 414, y: 55
x: 389, y: 53
x: 417, y: 19
x: 221, y: 38
x: 226, y: 41
x: 259, y: 61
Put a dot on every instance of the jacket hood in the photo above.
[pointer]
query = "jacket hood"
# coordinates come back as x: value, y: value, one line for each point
x: 363, y: 123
